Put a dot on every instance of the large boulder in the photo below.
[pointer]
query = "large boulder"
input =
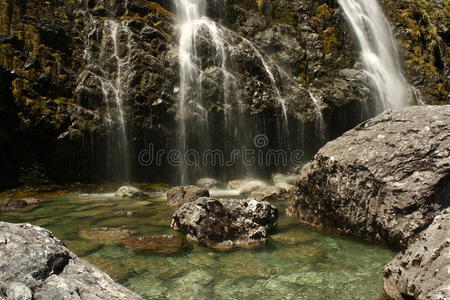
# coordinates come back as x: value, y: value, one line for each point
x: 179, y: 195
x: 384, y: 180
x: 35, y: 265
x: 422, y: 271
x: 226, y: 223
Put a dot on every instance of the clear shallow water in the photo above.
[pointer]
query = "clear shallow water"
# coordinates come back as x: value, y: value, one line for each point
x: 297, y: 263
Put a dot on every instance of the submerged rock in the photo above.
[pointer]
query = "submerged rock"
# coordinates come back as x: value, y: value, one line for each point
x: 422, y: 271
x: 384, y: 180
x: 179, y: 195
x: 131, y: 193
x: 161, y: 244
x: 226, y: 223
x: 106, y: 235
x: 207, y: 183
x: 15, y: 204
x: 36, y: 265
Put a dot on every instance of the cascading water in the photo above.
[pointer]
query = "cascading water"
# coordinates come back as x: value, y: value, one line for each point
x: 379, y: 53
x: 107, y: 57
x: 194, y: 130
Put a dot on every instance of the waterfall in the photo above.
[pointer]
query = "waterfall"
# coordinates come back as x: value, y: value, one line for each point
x: 195, y: 132
x: 379, y: 53
x: 320, y: 121
x: 107, y: 58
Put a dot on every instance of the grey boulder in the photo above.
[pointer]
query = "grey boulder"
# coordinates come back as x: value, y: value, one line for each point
x: 384, y: 180
x: 227, y: 223
x: 423, y: 270
x: 35, y: 265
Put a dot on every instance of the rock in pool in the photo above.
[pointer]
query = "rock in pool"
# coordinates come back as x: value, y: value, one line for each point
x: 131, y: 193
x: 179, y: 195
x: 384, y: 180
x: 161, y: 244
x: 106, y: 235
x: 225, y: 224
x: 15, y: 204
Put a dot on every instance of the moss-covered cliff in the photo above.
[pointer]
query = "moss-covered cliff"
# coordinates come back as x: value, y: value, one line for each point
x: 54, y: 124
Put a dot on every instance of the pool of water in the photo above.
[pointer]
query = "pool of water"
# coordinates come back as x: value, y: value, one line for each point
x: 297, y: 263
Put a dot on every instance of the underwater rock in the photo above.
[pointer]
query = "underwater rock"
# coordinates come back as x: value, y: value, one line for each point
x: 36, y: 265
x: 131, y: 192
x: 161, y: 244
x: 422, y: 270
x: 15, y: 204
x: 207, y: 183
x: 114, y: 268
x: 384, y: 180
x: 244, y: 264
x: 106, y: 235
x: 225, y: 224
x: 179, y: 195
x: 293, y: 236
x: 81, y: 247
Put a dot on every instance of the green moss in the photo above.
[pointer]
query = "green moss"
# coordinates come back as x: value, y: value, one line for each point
x: 6, y: 56
x: 284, y: 13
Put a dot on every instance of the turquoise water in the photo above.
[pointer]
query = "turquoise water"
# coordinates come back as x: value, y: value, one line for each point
x: 297, y: 263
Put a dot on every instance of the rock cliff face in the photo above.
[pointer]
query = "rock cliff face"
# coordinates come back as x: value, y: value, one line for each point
x: 384, y: 180
x: 54, y: 108
x: 422, y: 271
x: 35, y: 265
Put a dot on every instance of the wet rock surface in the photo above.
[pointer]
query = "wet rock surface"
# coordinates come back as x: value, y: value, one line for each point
x: 131, y: 192
x: 35, y: 265
x: 422, y: 270
x: 384, y: 180
x: 179, y: 195
x: 226, y: 223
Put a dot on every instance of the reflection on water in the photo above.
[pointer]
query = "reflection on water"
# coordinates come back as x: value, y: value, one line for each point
x: 297, y: 263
